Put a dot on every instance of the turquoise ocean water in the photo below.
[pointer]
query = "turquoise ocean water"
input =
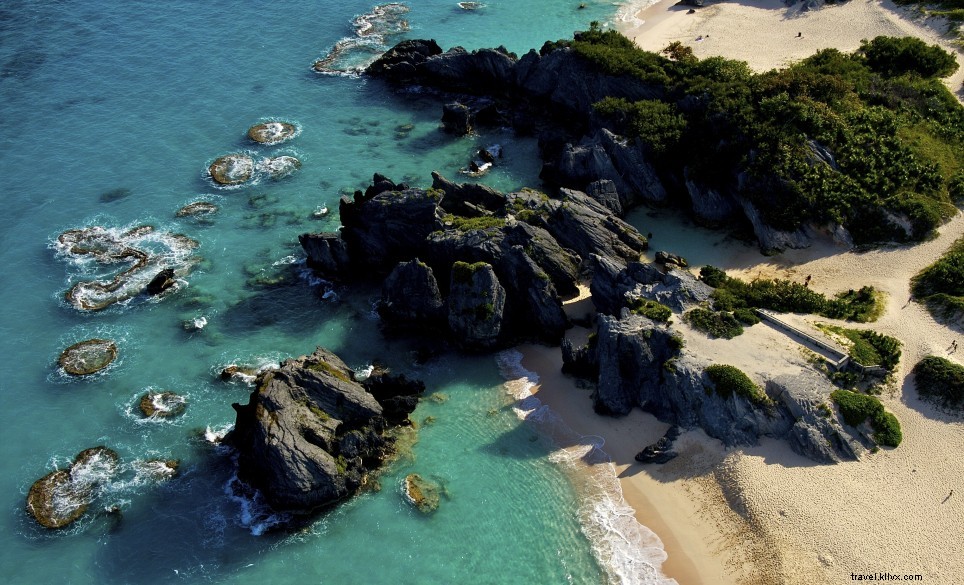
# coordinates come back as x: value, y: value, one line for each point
x: 109, y: 115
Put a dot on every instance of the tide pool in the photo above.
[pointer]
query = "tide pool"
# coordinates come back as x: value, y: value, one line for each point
x: 110, y: 115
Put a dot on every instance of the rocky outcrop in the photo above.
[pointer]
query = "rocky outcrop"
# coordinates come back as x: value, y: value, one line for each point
x: 232, y: 169
x: 771, y: 239
x: 468, y: 199
x: 87, y: 357
x: 476, y: 305
x: 815, y: 433
x: 279, y: 167
x: 710, y: 206
x: 61, y: 497
x: 160, y: 283
x: 310, y: 435
x: 662, y: 450
x: 614, y: 286
x: 272, y: 132
x: 411, y: 295
x: 327, y: 253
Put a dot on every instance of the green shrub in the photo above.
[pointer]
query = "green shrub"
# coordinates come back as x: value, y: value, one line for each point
x: 857, y: 408
x: 714, y: 323
x: 729, y: 380
x: 713, y: 276
x: 657, y: 124
x: 462, y: 271
x: 941, y: 285
x: 940, y: 379
x: 468, y: 224
x: 746, y: 316
x: 869, y: 348
x: 651, y: 309
x: 895, y: 56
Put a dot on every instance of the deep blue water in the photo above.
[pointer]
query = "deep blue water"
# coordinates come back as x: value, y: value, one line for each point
x: 110, y: 114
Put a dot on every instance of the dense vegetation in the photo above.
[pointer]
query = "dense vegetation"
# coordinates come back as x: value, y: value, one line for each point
x: 941, y: 285
x: 869, y: 348
x: 857, y: 408
x: 940, y: 379
x: 952, y: 10
x: 714, y: 323
x: 729, y: 380
x: 787, y: 296
x: 871, y: 140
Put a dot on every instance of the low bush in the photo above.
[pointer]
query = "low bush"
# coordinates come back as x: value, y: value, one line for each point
x: 651, y: 309
x: 729, y: 380
x: 940, y: 379
x: 858, y: 408
x: 714, y: 323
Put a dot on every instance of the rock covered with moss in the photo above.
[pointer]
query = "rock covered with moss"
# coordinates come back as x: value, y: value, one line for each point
x: 310, y: 434
x: 476, y: 305
x: 61, y: 497
x: 88, y: 357
x: 232, y: 169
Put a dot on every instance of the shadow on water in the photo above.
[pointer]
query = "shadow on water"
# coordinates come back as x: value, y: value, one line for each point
x: 521, y: 442
x: 187, y: 528
x: 292, y: 307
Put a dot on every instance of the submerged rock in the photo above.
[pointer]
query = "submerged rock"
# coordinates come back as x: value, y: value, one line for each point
x: 421, y: 493
x: 232, y: 169
x: 160, y: 283
x: 88, y: 357
x: 197, y: 209
x: 157, y: 469
x: 162, y: 404
x: 280, y: 166
x: 272, y: 132
x: 61, y: 497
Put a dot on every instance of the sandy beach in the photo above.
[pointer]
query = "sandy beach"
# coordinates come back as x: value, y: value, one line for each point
x: 764, y: 514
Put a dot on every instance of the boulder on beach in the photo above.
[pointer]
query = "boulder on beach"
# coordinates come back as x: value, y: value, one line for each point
x: 61, y: 497
x: 272, y: 132
x: 232, y: 169
x: 162, y: 404
x: 87, y: 357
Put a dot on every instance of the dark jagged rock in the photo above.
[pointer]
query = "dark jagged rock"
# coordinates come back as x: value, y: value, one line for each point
x: 410, y: 294
x: 604, y: 191
x: 162, y: 404
x: 477, y: 72
x: 309, y: 435
x: 160, y: 283
x: 327, y: 253
x: 458, y: 195
x: 582, y: 224
x: 61, y: 497
x: 662, y: 450
x: 389, y: 227
x: 456, y: 119
x: 668, y: 258
x: 88, y: 357
x: 582, y: 362
x: 631, y: 353
x: 399, y: 63
x: 397, y: 394
x: 614, y: 287
x: 232, y: 169
x: 710, y: 206
x: 476, y: 305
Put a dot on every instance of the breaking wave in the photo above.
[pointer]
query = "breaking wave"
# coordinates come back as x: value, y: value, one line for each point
x: 352, y: 54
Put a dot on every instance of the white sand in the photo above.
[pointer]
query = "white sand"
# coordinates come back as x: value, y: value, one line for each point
x: 764, y: 514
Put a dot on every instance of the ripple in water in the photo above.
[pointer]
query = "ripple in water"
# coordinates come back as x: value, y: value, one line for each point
x: 628, y: 552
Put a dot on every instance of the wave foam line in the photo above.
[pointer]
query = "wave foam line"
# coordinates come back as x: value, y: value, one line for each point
x: 629, y: 553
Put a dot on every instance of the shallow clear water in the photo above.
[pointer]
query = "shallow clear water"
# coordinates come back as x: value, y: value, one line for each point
x: 110, y: 116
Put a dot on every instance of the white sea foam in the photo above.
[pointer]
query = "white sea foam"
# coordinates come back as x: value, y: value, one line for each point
x: 351, y: 55
x: 253, y: 514
x: 630, y: 553
x: 627, y: 11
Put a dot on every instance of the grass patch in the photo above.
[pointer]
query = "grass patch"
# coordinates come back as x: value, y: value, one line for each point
x: 941, y: 380
x: 462, y: 271
x: 468, y: 224
x: 730, y: 380
x: 327, y: 368
x: 858, y: 408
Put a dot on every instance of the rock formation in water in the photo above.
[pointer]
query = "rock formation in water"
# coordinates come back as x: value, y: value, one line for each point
x: 61, y: 497
x: 87, y: 357
x: 148, y: 254
x: 272, y: 132
x: 310, y: 434
x: 528, y: 246
x: 232, y: 169
x: 164, y: 404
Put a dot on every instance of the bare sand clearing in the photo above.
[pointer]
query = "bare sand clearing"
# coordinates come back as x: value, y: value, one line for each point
x: 764, y: 514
